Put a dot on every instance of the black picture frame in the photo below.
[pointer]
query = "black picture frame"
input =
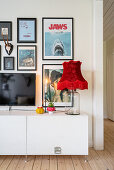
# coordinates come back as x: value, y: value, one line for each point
x: 6, y: 67
x: 43, y: 39
x: 27, y: 33
x: 0, y: 57
x: 27, y: 47
x: 6, y: 24
x: 43, y: 92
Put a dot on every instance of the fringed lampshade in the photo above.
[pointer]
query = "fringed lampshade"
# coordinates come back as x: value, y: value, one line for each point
x: 72, y: 78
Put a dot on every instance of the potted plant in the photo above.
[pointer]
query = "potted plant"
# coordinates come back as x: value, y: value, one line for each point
x: 50, y: 108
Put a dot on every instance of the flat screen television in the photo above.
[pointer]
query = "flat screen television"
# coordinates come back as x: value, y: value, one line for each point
x: 17, y: 89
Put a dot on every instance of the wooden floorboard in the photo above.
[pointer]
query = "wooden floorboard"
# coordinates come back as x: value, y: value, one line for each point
x: 97, y: 160
x: 37, y: 163
x: 76, y: 163
x: 61, y: 163
x: 68, y: 163
x: 53, y: 163
x: 21, y: 163
x: 45, y: 163
x: 13, y: 164
x: 85, y: 165
x: 6, y: 162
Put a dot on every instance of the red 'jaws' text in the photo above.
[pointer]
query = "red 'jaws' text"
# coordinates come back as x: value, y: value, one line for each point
x: 58, y: 26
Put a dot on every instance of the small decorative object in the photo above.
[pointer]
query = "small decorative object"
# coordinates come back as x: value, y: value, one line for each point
x: 26, y: 58
x: 72, y: 79
x: 53, y: 73
x: 50, y: 108
x: 26, y: 30
x: 40, y: 110
x: 8, y: 63
x: 8, y: 46
x: 57, y: 38
x: 6, y: 29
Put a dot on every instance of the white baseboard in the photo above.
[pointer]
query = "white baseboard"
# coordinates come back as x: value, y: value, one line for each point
x: 90, y: 144
x: 99, y: 147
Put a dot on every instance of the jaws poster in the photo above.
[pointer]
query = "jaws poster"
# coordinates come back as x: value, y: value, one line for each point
x: 58, y: 38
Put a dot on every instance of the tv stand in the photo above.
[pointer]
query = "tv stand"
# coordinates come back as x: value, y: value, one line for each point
x: 28, y: 133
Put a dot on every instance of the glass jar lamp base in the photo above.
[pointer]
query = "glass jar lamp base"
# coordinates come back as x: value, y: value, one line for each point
x: 72, y: 113
x: 75, y: 110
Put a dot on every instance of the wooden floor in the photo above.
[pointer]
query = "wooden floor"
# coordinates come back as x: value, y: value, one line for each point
x: 97, y: 160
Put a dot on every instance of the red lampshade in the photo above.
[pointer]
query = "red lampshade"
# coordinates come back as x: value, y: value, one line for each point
x: 72, y: 78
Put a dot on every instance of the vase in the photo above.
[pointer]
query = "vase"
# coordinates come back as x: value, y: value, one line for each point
x: 50, y: 112
x: 75, y: 110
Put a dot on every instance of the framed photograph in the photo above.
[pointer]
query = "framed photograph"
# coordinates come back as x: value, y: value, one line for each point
x: 8, y: 63
x: 0, y: 57
x: 6, y: 29
x: 26, y: 57
x: 26, y: 30
x: 57, y: 38
x: 51, y: 74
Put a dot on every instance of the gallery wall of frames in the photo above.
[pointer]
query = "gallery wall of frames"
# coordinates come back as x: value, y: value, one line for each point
x: 57, y: 45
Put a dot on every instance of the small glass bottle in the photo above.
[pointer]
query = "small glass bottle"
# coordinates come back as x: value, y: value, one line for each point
x: 76, y: 103
x: 75, y: 110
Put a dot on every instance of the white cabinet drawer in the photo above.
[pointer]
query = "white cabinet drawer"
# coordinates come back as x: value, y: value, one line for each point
x: 12, y: 135
x: 70, y: 133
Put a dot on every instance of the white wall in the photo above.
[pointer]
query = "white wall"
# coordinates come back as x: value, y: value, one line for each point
x: 82, y: 12
x: 98, y: 130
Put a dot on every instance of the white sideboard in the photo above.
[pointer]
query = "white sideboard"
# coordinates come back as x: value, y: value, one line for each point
x: 25, y: 132
x: 12, y: 135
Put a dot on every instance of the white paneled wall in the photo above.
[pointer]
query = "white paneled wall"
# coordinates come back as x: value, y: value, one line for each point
x: 108, y: 16
x: 110, y: 78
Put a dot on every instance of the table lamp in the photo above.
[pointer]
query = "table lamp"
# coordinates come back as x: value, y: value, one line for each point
x: 72, y: 80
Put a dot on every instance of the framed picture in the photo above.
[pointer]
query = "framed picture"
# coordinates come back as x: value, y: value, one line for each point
x: 6, y: 29
x: 26, y: 30
x: 57, y: 38
x: 0, y: 57
x: 8, y: 63
x: 51, y: 74
x: 26, y: 57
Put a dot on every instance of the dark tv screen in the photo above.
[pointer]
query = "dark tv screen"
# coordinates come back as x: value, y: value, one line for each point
x: 17, y: 89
